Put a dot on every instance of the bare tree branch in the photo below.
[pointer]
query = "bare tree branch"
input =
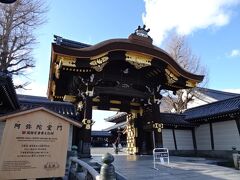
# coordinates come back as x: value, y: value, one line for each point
x: 17, y: 24
x: 178, y: 48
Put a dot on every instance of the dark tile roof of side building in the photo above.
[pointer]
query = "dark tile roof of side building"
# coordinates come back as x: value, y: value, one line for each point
x: 168, y: 119
x: 116, y: 126
x: 213, y: 109
x: 216, y: 94
x: 118, y: 117
x: 8, y: 98
x: 63, y: 108
x: 100, y: 134
x: 172, y: 119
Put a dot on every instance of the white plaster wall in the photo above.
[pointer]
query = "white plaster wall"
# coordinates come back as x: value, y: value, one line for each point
x: 226, y: 135
x: 168, y: 141
x: 184, y: 139
x: 2, y: 125
x: 203, y: 138
x: 70, y: 137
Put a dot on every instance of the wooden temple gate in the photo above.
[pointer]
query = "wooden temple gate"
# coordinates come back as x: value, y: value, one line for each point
x: 123, y: 75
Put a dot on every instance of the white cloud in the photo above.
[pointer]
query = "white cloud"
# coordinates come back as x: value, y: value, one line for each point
x: 235, y: 53
x: 185, y: 16
x: 237, y: 91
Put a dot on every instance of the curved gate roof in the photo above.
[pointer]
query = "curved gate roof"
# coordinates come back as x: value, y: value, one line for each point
x: 120, y: 67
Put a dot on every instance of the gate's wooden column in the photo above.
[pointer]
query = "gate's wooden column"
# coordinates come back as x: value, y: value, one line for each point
x: 149, y: 136
x: 85, y: 133
x: 157, y: 127
x: 140, y: 138
x: 132, y: 134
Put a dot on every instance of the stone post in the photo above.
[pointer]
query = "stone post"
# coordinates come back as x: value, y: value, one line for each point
x: 236, y: 158
x: 74, y: 152
x: 107, y: 171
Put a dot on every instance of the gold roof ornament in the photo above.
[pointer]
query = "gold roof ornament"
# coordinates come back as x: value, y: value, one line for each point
x: 138, y: 60
x: 98, y: 62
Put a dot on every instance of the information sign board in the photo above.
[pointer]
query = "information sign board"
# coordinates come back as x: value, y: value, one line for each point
x: 34, y: 145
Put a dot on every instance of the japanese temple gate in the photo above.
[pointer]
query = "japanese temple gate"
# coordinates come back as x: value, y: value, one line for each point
x: 124, y: 75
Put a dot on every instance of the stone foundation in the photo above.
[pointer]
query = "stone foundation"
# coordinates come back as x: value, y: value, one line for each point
x: 203, y: 153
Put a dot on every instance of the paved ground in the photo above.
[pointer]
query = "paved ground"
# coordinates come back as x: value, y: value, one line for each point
x: 141, y: 167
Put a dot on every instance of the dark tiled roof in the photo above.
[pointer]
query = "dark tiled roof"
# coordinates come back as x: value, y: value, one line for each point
x: 213, y: 109
x: 118, y: 125
x: 231, y: 104
x: 63, y: 108
x: 172, y: 119
x: 69, y: 43
x: 215, y: 94
x: 8, y: 98
x: 101, y: 133
x: 168, y: 119
x: 119, y: 117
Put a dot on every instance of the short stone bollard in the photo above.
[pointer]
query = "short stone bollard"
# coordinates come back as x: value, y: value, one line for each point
x: 107, y: 171
x: 236, y: 160
x: 74, y: 152
x: 71, y: 167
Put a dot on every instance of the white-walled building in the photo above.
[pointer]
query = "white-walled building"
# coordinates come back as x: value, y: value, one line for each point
x: 212, y: 129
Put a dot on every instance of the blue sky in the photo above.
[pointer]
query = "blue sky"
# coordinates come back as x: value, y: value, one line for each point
x: 211, y: 26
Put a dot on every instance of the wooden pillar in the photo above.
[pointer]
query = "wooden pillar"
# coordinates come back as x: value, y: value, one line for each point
x: 77, y: 132
x: 85, y: 134
x: 155, y: 129
x: 150, y: 134
x: 158, y: 138
x: 140, y: 141
x: 141, y: 131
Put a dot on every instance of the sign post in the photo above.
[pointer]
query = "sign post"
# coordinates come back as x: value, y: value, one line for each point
x: 160, y: 154
x: 34, y: 145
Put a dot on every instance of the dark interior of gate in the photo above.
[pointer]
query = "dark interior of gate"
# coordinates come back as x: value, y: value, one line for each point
x: 123, y: 75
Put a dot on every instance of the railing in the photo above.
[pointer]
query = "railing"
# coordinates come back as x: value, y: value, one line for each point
x: 79, y: 169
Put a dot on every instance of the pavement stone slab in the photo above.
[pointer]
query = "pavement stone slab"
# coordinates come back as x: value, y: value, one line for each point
x: 141, y: 167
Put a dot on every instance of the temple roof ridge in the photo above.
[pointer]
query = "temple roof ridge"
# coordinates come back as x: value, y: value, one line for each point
x: 69, y: 43
x: 217, y: 107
